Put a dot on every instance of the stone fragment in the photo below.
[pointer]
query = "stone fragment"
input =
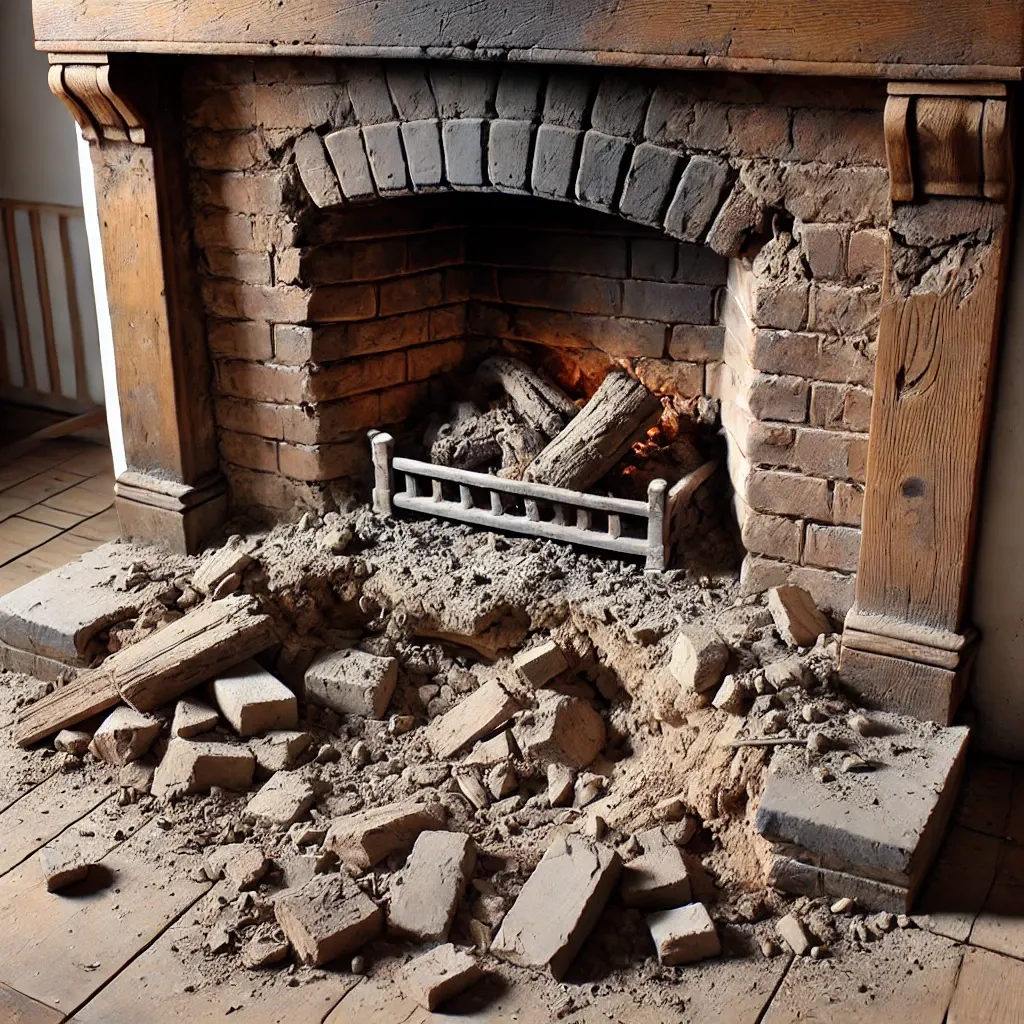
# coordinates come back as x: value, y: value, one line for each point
x: 360, y: 754
x: 240, y: 863
x: 315, y: 172
x: 842, y: 905
x: 483, y: 711
x: 502, y: 781
x: 283, y: 800
x: 254, y: 701
x: 352, y: 682
x: 493, y: 751
x: 137, y: 777
x: 62, y: 866
x: 263, y: 949
x: 124, y: 736
x: 698, y: 658
x: 656, y: 880
x: 731, y: 696
x: 697, y: 196
x: 189, y: 766
x: 365, y: 838
x: 793, y: 933
x: 561, y: 728
x: 472, y: 788
x: 306, y: 833
x: 72, y: 741
x: 440, y: 975
x: 192, y: 717
x: 426, y: 894
x: 560, y: 784
x: 588, y: 787
x: 327, y: 918
x: 558, y: 906
x: 797, y: 618
x: 863, y: 726
x: 222, y: 563
x: 684, y: 935
x: 789, y: 672
x: 280, y: 750
x: 539, y: 665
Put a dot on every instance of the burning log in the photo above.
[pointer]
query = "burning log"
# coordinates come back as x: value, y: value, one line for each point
x: 619, y: 412
x: 539, y: 403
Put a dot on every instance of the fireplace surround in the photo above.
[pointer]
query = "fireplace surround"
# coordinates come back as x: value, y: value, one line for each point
x: 299, y: 213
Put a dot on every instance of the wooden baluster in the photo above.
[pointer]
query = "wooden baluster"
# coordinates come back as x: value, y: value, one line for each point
x: 583, y: 518
x: 532, y: 510
x: 657, y: 535
x: 412, y: 485
x: 435, y: 491
x: 28, y: 370
x: 465, y: 496
x: 559, y: 511
x: 74, y: 313
x: 614, y: 525
x: 497, y: 505
x: 45, y: 304
x: 382, y: 446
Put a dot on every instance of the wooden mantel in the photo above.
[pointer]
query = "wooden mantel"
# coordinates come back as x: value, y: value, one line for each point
x: 948, y: 130
x: 978, y: 39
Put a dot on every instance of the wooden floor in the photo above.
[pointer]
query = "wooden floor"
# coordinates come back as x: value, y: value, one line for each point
x: 110, y: 954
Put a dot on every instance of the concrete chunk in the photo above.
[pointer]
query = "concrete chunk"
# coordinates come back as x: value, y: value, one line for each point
x: 284, y: 800
x: 797, y: 618
x: 684, y: 935
x: 192, y: 767
x: 656, y: 880
x: 326, y: 919
x: 254, y: 701
x: 699, y: 658
x: 483, y: 711
x: 124, y: 736
x: 558, y: 906
x: 192, y: 717
x: 240, y: 863
x: 425, y: 895
x: 539, y: 665
x: 352, y: 682
x: 440, y: 975
x: 365, y: 838
x: 493, y: 751
x: 72, y: 741
x: 560, y: 784
x: 791, y: 931
x: 563, y: 729
x: 280, y: 750
x: 62, y: 866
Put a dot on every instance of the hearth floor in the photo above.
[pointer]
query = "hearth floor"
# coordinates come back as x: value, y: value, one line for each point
x: 111, y: 956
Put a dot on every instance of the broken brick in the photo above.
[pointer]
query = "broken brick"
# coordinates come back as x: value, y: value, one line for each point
x: 240, y: 863
x: 189, y: 766
x: 192, y: 717
x: 483, y: 711
x: 698, y: 658
x: 563, y: 729
x: 284, y: 800
x: 539, y: 665
x: 62, y: 866
x: 365, y: 838
x: 254, y: 701
x: 684, y: 935
x: 125, y: 735
x: 797, y: 617
x: 326, y: 919
x: 352, y: 682
x: 440, y: 975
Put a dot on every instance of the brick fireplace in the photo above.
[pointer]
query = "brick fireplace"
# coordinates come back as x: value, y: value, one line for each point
x: 311, y: 220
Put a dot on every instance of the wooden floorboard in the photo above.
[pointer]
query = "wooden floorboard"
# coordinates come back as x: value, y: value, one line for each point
x: 16, y: 1008
x: 990, y: 990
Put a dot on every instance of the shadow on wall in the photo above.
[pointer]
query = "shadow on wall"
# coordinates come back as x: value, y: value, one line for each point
x: 998, y: 685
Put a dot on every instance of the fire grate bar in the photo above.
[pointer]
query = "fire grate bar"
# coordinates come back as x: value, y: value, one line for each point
x: 571, y: 520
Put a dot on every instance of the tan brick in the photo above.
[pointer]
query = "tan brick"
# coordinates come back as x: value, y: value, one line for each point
x: 697, y: 343
x: 386, y: 334
x: 841, y: 407
x: 833, y: 592
x: 824, y: 248
x: 837, y: 309
x: 759, y: 130
x: 248, y: 451
x: 824, y: 193
x: 305, y: 70
x: 241, y: 339
x: 670, y: 377
x: 768, y: 443
x: 829, y: 453
x: 867, y: 255
x: 847, y: 503
x: 780, y: 304
x: 284, y: 105
x: 246, y: 267
x: 226, y: 151
x: 434, y: 249
x: 832, y: 547
x: 360, y: 412
x: 237, y: 301
x: 242, y: 192
x: 267, y: 419
x: 368, y: 260
x: 772, y: 397
x: 457, y: 283
x: 262, y: 381
x: 324, y: 461
x: 407, y: 294
x: 293, y: 344
x: 772, y: 535
x: 670, y: 302
x: 287, y: 265
x: 202, y: 72
x: 808, y: 355
x: 428, y: 360
x: 219, y: 229
x: 447, y: 322
x: 337, y: 303
x: 225, y: 109
x: 838, y: 136
x: 398, y: 404
x: 357, y: 376
x: 270, y: 491
x: 788, y: 494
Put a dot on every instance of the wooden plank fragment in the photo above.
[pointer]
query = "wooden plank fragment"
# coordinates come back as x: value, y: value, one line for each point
x: 158, y: 669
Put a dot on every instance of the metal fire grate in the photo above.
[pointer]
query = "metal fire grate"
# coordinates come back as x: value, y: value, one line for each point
x: 643, y: 528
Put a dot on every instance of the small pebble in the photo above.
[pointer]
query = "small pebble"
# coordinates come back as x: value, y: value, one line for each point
x: 819, y: 952
x: 769, y: 949
x: 842, y: 906
x: 810, y: 713
x: 817, y: 742
x: 358, y: 965
x: 853, y: 763
x: 360, y: 754
x: 904, y: 921
x: 862, y: 725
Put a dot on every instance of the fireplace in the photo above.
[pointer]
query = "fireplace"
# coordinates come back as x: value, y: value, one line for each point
x: 311, y: 231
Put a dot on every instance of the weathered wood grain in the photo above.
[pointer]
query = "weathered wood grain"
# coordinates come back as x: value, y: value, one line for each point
x: 990, y: 990
x: 895, y: 39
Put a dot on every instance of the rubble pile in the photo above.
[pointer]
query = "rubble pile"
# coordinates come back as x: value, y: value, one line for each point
x: 478, y: 751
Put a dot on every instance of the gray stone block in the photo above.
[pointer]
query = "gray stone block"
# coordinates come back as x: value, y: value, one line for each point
x: 601, y: 163
x: 699, y: 264
x: 740, y: 216
x: 508, y: 154
x: 368, y: 91
x: 554, y: 160
x: 674, y: 303
x: 697, y: 198
x: 567, y: 98
x: 316, y: 173
x: 885, y: 824
x: 799, y: 879
x: 411, y: 91
x: 423, y: 152
x: 464, y: 151
x: 518, y: 97
x: 464, y: 90
x: 648, y: 185
x: 345, y: 148
x: 620, y: 105
x: 387, y: 161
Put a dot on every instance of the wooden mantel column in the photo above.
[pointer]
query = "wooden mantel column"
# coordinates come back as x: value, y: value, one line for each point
x: 172, y: 493
x: 906, y: 645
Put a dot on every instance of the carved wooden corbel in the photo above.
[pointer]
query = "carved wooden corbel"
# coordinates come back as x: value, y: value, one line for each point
x: 84, y: 84
x: 947, y: 139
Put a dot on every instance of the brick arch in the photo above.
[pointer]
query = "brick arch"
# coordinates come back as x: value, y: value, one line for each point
x: 562, y: 134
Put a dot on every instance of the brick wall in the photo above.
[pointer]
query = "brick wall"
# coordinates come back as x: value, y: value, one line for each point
x: 330, y: 310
